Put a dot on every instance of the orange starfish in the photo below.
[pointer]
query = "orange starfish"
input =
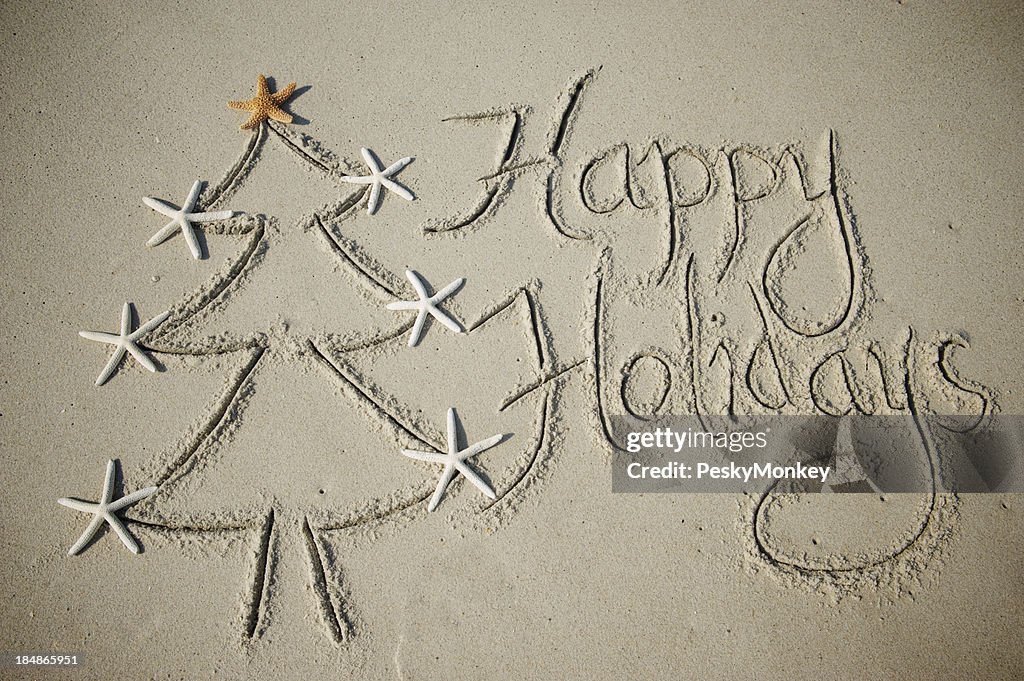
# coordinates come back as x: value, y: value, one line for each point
x: 265, y: 104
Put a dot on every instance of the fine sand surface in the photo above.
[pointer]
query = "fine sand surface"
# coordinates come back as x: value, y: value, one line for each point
x: 657, y: 209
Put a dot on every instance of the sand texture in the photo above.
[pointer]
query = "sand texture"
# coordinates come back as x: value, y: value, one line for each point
x: 657, y: 209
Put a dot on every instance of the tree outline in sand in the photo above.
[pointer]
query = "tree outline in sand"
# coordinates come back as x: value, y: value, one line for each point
x: 331, y: 353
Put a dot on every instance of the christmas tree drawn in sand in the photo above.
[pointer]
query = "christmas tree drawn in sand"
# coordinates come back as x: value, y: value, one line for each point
x: 358, y: 375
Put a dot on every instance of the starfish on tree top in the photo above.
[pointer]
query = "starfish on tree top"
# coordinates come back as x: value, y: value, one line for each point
x: 455, y: 461
x: 265, y: 104
x: 182, y: 219
x: 104, y: 510
x: 427, y: 305
x: 380, y: 177
x: 126, y: 341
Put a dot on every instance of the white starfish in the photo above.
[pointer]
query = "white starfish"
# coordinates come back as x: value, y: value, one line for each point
x: 104, y: 510
x: 182, y: 219
x: 378, y: 178
x: 427, y: 304
x: 455, y: 461
x: 126, y: 341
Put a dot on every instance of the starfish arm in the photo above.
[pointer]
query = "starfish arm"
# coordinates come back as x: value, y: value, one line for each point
x: 193, y: 194
x: 417, y: 284
x: 108, y: 370
x: 431, y: 457
x: 283, y: 95
x: 262, y: 89
x: 90, y: 530
x: 164, y: 234
x: 150, y: 325
x: 358, y: 179
x: 374, y: 201
x: 442, y: 485
x: 371, y: 160
x: 210, y: 217
x: 279, y: 115
x: 141, y: 357
x: 101, y: 337
x: 477, y: 481
x: 130, y: 499
x: 441, y: 316
x: 190, y: 239
x: 126, y: 320
x: 447, y: 290
x: 122, y: 532
x: 397, y: 188
x: 403, y: 305
x: 453, y: 433
x: 254, y: 121
x: 108, y: 483
x: 78, y: 505
x: 160, y: 206
x: 478, y: 447
x: 395, y: 167
x: 242, y: 105
x: 417, y: 329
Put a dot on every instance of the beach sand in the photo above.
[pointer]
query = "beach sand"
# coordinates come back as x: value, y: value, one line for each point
x: 656, y: 208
